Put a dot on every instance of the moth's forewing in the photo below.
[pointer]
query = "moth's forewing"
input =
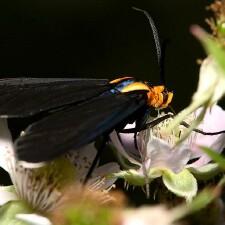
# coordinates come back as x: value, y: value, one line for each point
x: 76, y: 126
x: 22, y: 97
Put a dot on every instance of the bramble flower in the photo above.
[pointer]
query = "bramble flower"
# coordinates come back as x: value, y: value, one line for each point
x: 40, y: 186
x: 158, y: 155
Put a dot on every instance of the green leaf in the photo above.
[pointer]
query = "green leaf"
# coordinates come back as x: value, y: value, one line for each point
x: 9, y: 211
x: 182, y: 184
x: 135, y: 178
x: 205, y: 172
x: 215, y: 156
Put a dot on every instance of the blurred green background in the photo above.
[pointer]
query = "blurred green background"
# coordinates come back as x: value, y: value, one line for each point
x: 101, y: 38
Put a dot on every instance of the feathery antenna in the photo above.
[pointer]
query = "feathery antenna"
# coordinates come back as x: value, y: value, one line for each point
x: 160, y: 56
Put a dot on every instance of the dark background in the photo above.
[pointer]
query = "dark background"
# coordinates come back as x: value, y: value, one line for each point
x: 101, y: 38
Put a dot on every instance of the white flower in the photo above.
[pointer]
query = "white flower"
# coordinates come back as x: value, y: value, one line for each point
x: 157, y: 153
x: 41, y: 185
x: 158, y: 149
x: 152, y: 150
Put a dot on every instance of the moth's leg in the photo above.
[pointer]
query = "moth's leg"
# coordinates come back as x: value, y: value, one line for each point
x: 97, y: 157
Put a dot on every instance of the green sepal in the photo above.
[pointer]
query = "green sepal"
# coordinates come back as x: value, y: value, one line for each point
x: 132, y: 177
x: 205, y: 172
x: 182, y: 184
x: 155, y: 173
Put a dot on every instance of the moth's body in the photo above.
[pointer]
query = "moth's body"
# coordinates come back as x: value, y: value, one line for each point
x: 78, y: 110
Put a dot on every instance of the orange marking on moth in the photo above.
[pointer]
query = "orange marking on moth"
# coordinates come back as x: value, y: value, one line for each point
x: 119, y: 80
x: 136, y: 86
x: 158, y: 89
x: 169, y: 99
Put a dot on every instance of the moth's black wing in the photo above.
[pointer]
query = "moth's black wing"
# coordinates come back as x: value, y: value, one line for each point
x: 75, y: 127
x: 21, y: 97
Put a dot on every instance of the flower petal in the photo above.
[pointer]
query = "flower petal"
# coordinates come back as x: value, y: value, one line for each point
x: 104, y: 172
x: 34, y: 219
x: 124, y: 143
x: 158, y: 215
x: 213, y: 121
x: 211, y: 80
x: 6, y: 145
x: 82, y: 159
x: 163, y: 156
x: 42, y: 187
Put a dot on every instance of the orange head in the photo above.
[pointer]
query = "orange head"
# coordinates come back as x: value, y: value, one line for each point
x: 157, y: 96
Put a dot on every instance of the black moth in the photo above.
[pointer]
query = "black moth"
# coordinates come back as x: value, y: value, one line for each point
x: 78, y: 111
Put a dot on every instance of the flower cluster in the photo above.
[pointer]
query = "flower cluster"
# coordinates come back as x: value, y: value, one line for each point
x: 40, y: 186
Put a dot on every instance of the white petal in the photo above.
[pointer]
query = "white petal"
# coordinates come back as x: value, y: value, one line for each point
x: 31, y: 165
x: 148, y: 216
x: 203, y: 160
x: 211, y: 80
x: 42, y: 187
x: 7, y: 196
x: 6, y: 145
x: 124, y: 149
x: 162, y: 155
x: 102, y: 172
x: 127, y: 140
x: 34, y: 219
x: 213, y: 121
x: 82, y: 159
